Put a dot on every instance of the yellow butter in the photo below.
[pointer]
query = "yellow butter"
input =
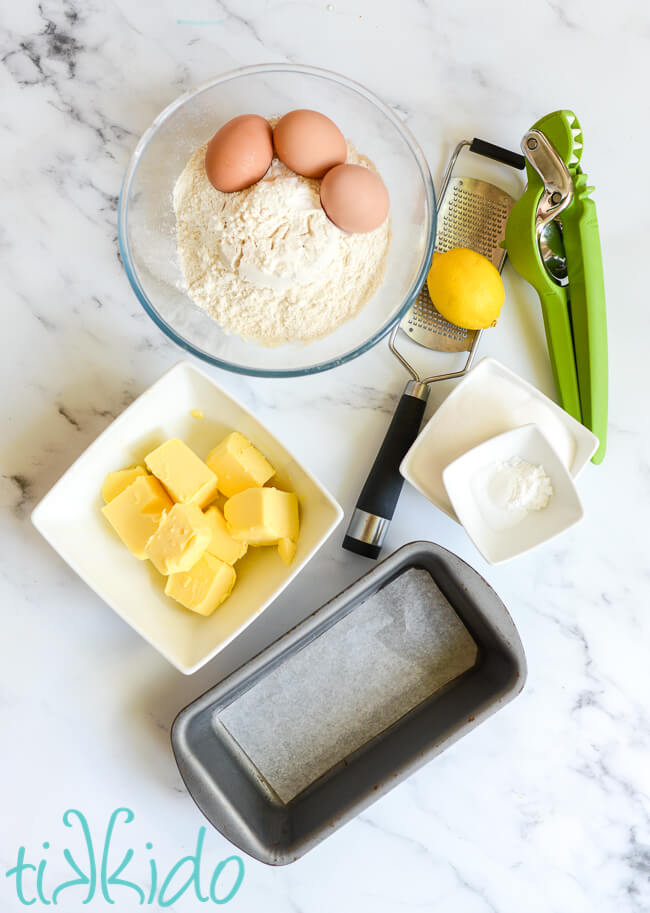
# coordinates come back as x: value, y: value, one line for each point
x: 203, y: 588
x: 137, y: 511
x: 183, y: 474
x: 219, y: 501
x: 287, y: 550
x: 262, y: 516
x: 238, y: 465
x: 116, y: 482
x: 181, y: 538
x: 222, y: 545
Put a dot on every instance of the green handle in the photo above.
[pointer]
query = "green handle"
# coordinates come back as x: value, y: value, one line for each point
x: 588, y: 312
x: 559, y: 339
x: 523, y: 251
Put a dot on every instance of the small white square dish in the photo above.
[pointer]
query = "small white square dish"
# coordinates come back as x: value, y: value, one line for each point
x: 489, y: 400
x: 71, y: 520
x: 490, y: 494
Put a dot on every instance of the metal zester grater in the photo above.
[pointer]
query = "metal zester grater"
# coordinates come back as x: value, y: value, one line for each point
x: 472, y: 213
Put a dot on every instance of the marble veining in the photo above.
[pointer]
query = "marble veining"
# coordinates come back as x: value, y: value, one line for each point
x: 545, y: 808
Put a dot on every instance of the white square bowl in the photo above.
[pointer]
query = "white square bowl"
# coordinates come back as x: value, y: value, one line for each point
x: 465, y: 480
x: 489, y: 400
x: 70, y: 518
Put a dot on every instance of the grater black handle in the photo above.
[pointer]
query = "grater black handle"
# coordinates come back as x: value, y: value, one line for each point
x: 379, y: 496
x: 498, y: 153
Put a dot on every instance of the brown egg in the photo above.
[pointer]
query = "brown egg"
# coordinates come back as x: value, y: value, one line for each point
x: 309, y: 143
x: 354, y: 198
x: 239, y: 153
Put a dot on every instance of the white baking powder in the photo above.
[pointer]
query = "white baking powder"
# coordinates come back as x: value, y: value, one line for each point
x: 507, y: 491
x: 519, y: 485
x: 266, y: 262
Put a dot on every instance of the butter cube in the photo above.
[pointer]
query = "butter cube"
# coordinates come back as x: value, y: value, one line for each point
x: 238, y: 465
x: 136, y: 513
x: 180, y: 540
x: 116, y: 482
x: 287, y: 550
x: 262, y: 516
x: 203, y: 588
x: 222, y: 545
x: 183, y: 474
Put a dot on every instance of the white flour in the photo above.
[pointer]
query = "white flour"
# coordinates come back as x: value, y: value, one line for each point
x: 266, y: 262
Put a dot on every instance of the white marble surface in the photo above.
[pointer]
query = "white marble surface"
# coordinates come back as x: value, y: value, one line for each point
x: 545, y: 807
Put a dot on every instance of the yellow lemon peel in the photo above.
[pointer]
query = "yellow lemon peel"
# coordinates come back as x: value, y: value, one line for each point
x: 466, y: 288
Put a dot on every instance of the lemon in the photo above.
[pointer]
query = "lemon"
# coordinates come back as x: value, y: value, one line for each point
x: 466, y: 288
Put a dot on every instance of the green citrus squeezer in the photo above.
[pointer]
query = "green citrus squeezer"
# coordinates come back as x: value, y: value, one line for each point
x: 561, y: 258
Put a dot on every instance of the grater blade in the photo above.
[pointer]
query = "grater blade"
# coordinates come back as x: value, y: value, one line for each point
x: 472, y: 214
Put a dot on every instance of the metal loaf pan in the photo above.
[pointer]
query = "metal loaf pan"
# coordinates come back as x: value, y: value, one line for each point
x: 235, y: 797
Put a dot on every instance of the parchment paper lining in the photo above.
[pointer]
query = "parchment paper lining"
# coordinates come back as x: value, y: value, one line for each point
x: 359, y: 677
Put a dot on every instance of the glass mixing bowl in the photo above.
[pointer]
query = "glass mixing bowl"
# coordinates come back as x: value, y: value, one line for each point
x: 147, y: 225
